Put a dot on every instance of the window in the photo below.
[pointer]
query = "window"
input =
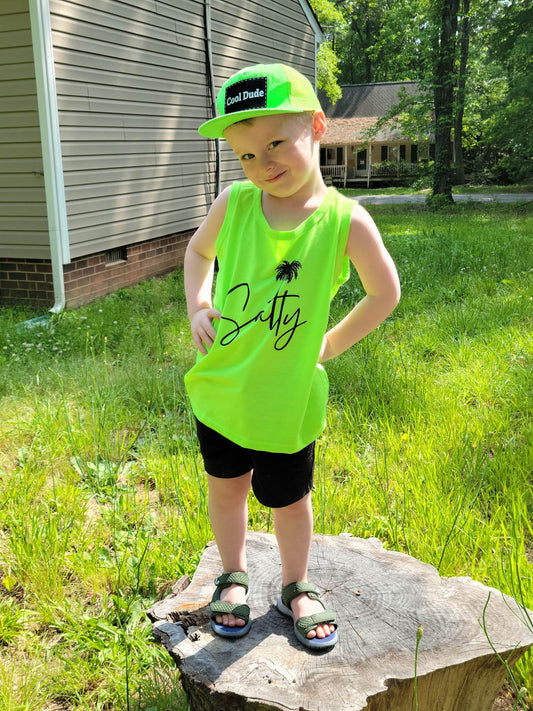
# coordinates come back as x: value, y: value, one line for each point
x: 402, y: 152
x: 340, y: 155
x: 414, y: 153
x: 384, y: 153
x: 361, y: 159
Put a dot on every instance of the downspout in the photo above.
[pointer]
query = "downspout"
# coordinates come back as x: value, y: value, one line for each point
x: 41, y: 32
x: 211, y: 83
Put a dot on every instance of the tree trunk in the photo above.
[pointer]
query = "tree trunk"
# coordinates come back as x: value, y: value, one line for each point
x: 443, y: 81
x: 381, y: 599
x: 368, y: 42
x: 464, y: 43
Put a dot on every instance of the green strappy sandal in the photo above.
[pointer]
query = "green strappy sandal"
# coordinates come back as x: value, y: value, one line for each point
x: 218, y: 607
x: 304, y: 625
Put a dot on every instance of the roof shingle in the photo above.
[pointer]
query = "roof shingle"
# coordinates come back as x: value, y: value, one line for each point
x: 360, y: 106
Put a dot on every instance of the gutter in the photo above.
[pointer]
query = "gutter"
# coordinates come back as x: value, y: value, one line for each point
x: 41, y: 33
x: 212, y: 90
x: 315, y: 26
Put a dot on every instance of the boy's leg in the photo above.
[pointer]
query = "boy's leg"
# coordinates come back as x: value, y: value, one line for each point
x: 294, y: 529
x: 228, y: 513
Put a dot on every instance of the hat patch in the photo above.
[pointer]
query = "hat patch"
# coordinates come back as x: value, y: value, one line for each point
x: 245, y: 95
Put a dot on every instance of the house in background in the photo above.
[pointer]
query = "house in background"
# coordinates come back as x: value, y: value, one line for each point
x: 103, y: 176
x: 348, y: 157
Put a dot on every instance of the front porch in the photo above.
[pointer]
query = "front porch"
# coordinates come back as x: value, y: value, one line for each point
x: 363, y: 164
x: 344, y: 176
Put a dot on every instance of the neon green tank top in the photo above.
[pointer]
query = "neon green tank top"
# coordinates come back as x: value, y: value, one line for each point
x: 260, y: 385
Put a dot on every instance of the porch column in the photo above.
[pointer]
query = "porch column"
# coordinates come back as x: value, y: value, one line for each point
x: 345, y: 148
x: 398, y: 162
x: 369, y: 165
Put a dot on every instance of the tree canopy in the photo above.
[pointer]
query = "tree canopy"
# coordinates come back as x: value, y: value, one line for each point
x: 474, y: 59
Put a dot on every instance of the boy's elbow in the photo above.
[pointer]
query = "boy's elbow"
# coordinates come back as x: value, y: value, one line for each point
x: 396, y: 296
x: 391, y: 300
x: 392, y: 295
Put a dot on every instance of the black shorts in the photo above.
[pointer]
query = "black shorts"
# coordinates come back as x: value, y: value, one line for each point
x: 278, y: 479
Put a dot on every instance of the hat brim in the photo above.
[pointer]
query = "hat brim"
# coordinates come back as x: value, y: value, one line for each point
x: 214, y: 128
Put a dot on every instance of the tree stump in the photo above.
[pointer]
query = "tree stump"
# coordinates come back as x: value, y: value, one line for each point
x: 381, y: 598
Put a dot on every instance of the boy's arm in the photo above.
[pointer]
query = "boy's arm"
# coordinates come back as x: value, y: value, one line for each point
x: 199, y: 267
x: 379, y: 279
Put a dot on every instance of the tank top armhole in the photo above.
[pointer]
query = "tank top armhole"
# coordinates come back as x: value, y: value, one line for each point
x: 346, y: 221
x: 343, y: 260
x: 231, y: 207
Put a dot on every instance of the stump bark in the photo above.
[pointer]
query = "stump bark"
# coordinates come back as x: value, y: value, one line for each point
x: 381, y: 598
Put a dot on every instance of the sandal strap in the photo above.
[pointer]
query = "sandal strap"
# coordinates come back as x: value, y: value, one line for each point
x: 292, y: 590
x: 219, y: 607
x: 236, y: 578
x: 305, y: 624
x: 230, y: 608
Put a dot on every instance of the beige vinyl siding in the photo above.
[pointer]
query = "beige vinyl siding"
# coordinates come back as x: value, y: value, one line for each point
x: 23, y: 223
x: 246, y: 32
x: 131, y: 93
x: 132, y: 90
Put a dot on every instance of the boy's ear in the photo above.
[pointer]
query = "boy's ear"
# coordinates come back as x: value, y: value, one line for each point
x: 319, y: 125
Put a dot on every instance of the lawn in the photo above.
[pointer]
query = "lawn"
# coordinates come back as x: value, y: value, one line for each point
x: 102, y: 499
x: 457, y: 190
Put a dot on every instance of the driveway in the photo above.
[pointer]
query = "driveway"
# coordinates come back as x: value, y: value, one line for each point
x: 479, y: 197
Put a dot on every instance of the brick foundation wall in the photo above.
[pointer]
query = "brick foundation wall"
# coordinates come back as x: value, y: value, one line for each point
x: 29, y: 281
x: 26, y: 281
x: 89, y: 277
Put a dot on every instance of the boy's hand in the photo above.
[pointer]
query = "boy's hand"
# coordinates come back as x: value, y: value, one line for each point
x: 202, y: 329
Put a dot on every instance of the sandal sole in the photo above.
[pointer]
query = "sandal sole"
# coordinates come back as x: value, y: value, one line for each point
x: 234, y: 632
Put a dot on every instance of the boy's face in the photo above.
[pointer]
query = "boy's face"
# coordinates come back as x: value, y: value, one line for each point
x: 279, y: 153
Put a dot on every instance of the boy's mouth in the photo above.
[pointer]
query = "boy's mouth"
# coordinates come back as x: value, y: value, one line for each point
x: 275, y: 177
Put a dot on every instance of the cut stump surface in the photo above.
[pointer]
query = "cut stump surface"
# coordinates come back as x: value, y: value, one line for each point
x: 381, y: 598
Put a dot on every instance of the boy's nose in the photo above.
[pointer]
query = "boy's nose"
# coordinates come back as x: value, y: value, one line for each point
x: 267, y: 163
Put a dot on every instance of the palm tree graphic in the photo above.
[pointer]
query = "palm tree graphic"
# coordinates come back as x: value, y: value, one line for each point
x: 287, y: 271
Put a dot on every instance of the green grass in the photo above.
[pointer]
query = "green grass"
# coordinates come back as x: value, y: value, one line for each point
x: 102, y: 499
x: 457, y: 190
x: 516, y: 188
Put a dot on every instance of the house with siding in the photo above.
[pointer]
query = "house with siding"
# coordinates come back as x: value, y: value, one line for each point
x: 103, y: 176
x: 349, y: 156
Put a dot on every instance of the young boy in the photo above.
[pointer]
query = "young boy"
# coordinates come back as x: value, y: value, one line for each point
x: 258, y: 390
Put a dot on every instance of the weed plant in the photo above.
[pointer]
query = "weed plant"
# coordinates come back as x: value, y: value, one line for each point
x: 102, y: 496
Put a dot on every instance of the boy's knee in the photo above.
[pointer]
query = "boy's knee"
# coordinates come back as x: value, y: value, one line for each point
x: 297, y: 508
x: 228, y: 491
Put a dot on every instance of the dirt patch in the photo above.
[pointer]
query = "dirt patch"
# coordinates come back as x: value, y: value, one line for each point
x: 506, y: 701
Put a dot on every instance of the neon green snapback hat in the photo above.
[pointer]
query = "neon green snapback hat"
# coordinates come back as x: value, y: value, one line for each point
x: 260, y: 90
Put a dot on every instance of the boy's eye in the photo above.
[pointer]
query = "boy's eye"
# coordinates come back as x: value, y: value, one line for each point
x: 274, y: 144
x: 247, y: 156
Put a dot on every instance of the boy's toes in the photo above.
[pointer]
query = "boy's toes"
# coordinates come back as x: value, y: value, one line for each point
x: 229, y: 621
x: 321, y: 632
